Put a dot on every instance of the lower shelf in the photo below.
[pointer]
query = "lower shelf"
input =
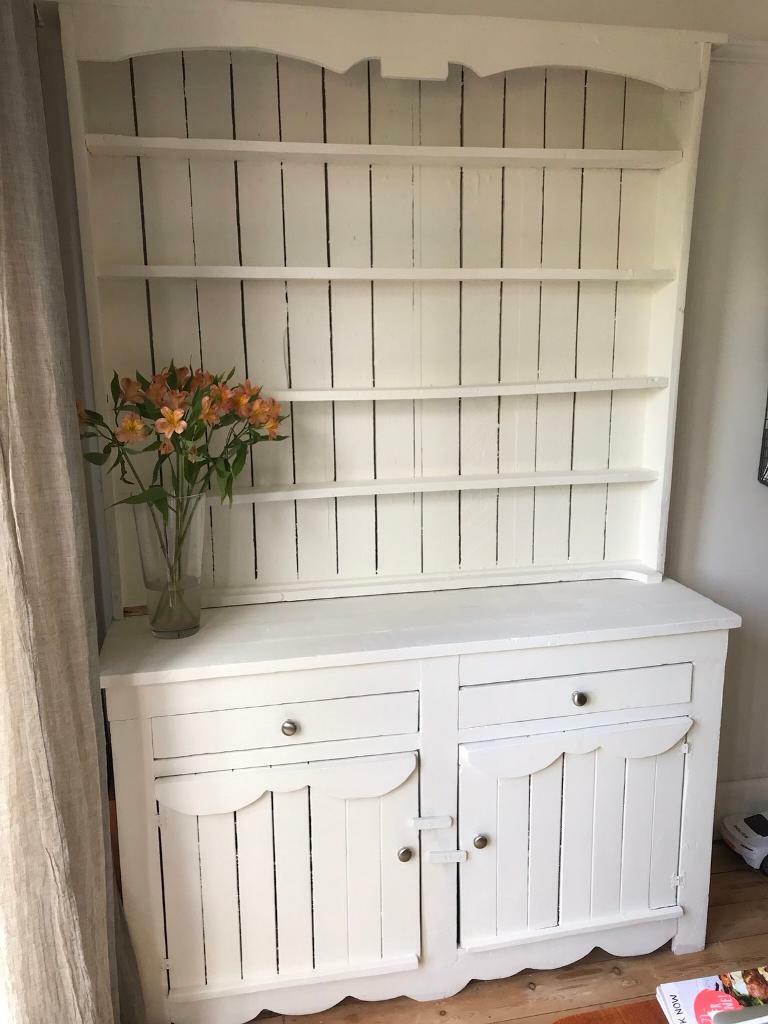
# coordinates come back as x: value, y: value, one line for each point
x: 301, y: 590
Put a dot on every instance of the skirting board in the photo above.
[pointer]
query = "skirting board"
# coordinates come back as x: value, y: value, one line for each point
x: 740, y: 797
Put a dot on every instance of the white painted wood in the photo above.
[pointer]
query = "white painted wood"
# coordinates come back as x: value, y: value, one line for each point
x: 478, y: 814
x: 639, y: 794
x: 353, y: 394
x: 610, y: 777
x: 293, y: 882
x: 576, y: 852
x: 543, y: 478
x: 400, y: 888
x: 549, y: 698
x: 424, y: 155
x: 219, y: 885
x: 543, y: 852
x: 256, y: 873
x: 182, y: 899
x: 410, y: 45
x: 209, y: 732
x: 386, y: 273
x: 330, y: 899
x: 668, y: 795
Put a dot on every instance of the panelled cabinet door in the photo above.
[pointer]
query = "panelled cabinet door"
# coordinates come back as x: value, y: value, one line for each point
x: 301, y: 871
x: 570, y: 831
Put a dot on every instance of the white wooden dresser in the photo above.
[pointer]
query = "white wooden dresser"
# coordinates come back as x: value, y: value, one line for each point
x: 396, y: 794
x: 455, y: 248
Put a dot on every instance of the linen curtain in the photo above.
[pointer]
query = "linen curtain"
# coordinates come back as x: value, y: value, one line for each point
x: 57, y: 913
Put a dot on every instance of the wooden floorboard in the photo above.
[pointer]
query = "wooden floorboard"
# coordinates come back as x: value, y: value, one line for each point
x: 738, y: 936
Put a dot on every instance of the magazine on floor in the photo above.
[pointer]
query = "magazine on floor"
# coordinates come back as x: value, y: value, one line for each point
x: 738, y: 996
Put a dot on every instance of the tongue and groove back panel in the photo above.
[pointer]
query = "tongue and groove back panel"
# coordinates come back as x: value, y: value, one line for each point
x: 530, y: 433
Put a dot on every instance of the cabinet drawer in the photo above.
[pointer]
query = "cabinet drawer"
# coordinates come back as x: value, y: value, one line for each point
x: 213, y: 732
x: 529, y: 699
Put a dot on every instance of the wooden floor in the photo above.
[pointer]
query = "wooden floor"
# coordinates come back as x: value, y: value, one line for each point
x: 738, y: 937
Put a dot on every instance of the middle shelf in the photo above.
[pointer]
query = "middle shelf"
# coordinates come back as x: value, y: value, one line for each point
x: 420, y: 393
x: 259, y: 273
x: 423, y: 485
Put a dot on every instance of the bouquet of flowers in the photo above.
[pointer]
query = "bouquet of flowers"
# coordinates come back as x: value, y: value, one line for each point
x: 200, y: 428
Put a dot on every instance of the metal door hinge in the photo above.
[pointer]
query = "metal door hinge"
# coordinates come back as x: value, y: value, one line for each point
x: 685, y: 747
x: 165, y: 963
x: 678, y: 879
x: 447, y: 856
x: 436, y: 821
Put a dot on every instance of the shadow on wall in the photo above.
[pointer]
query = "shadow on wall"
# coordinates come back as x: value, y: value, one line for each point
x: 718, y: 539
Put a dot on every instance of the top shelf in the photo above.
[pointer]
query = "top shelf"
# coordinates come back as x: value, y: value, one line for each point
x: 426, y: 156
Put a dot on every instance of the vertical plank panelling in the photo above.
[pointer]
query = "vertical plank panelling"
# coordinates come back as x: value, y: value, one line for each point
x: 477, y: 878
x: 256, y: 872
x: 117, y: 237
x: 364, y: 878
x: 329, y: 880
x: 213, y: 190
x: 168, y: 219
x: 603, y: 129
x: 481, y: 233
x: 349, y: 242
x: 183, y: 905
x: 523, y: 190
x: 257, y: 117
x: 544, y: 858
x: 218, y: 882
x: 437, y: 245
x: 638, y: 833
x: 306, y: 245
x: 394, y: 120
x: 636, y: 248
x: 564, y: 121
x: 667, y: 807
x: 293, y: 882
x: 400, y: 918
x: 576, y: 852
x: 512, y: 855
x: 608, y: 829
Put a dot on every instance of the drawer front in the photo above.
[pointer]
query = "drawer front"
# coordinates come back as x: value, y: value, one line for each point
x: 583, y: 694
x: 213, y: 732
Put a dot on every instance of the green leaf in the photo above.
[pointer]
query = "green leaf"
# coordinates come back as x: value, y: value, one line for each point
x: 97, y: 458
x: 115, y: 388
x: 230, y: 375
x: 153, y: 446
x: 151, y: 496
x: 95, y: 416
x: 142, y: 380
x: 239, y: 460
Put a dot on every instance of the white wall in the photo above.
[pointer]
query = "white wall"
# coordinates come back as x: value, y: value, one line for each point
x: 718, y: 540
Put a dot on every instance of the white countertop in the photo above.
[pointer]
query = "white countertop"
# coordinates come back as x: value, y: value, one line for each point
x: 253, y: 639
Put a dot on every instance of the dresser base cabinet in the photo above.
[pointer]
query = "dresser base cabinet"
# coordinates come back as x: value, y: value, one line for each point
x: 408, y: 808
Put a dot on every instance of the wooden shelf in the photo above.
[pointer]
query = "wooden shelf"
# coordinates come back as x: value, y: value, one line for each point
x: 549, y: 387
x: 319, y: 152
x: 351, y: 489
x: 241, y: 273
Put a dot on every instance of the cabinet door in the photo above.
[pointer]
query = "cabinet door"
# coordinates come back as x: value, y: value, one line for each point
x: 582, y: 829
x: 279, y: 874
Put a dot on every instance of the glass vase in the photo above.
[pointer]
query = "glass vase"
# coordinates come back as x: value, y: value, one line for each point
x: 171, y: 554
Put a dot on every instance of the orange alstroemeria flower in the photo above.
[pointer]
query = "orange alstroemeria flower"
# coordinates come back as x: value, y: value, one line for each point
x: 183, y: 373
x: 209, y: 412
x: 171, y: 422
x: 82, y: 415
x: 266, y: 413
x: 165, y: 448
x: 176, y: 399
x: 130, y: 390
x: 157, y: 389
x: 221, y: 397
x: 200, y: 379
x: 131, y: 429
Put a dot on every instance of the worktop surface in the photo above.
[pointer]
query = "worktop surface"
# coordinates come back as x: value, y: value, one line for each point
x: 253, y: 639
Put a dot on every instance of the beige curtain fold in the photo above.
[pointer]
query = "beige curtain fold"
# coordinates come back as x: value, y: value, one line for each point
x: 57, y: 961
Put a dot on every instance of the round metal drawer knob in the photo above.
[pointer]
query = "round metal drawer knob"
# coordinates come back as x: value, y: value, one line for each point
x: 404, y: 854
x: 579, y: 698
x: 480, y: 842
x: 289, y: 728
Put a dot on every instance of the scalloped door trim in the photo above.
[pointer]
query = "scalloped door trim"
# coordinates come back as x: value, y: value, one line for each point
x: 225, y: 792
x: 511, y: 759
